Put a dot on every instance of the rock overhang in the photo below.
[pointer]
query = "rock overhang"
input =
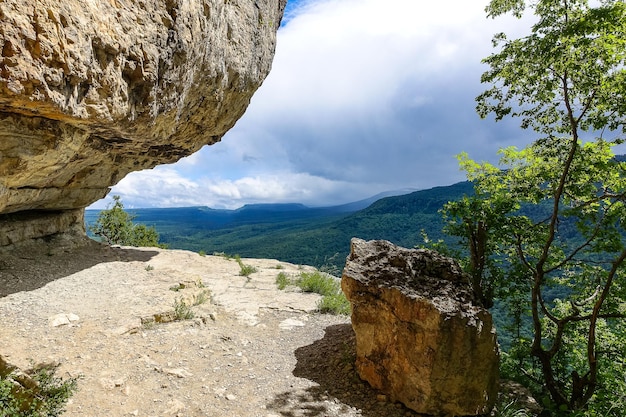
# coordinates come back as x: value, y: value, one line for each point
x: 91, y: 91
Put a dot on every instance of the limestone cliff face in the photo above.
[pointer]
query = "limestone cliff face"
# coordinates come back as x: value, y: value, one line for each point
x: 92, y: 90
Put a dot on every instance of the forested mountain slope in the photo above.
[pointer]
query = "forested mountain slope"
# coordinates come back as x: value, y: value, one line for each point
x: 299, y: 234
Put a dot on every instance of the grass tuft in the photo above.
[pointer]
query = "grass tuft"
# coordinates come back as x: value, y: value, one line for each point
x: 333, y: 301
x: 318, y: 282
x: 282, y: 280
x: 245, y: 270
x: 201, y: 298
x: 334, y: 304
x: 182, y: 310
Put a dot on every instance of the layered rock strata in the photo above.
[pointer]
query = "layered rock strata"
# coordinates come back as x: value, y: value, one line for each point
x: 93, y: 90
x: 421, y: 338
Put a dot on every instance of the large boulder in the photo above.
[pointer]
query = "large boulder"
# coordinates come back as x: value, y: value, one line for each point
x: 421, y: 338
x: 92, y: 90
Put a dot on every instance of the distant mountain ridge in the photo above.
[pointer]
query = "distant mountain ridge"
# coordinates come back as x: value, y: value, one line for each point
x: 211, y: 218
x: 318, y: 236
x: 362, y: 204
x: 273, y: 207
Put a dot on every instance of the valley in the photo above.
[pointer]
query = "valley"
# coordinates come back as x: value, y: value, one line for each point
x: 298, y: 234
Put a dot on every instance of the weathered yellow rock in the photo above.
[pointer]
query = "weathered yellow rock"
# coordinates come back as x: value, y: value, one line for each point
x: 92, y: 90
x: 420, y: 337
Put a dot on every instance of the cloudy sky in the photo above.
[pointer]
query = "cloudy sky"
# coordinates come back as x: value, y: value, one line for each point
x: 364, y: 96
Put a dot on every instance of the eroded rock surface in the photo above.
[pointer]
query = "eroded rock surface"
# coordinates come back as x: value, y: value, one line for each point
x: 420, y: 336
x: 92, y: 90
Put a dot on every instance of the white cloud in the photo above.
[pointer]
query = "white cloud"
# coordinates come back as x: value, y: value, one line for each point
x: 165, y: 187
x: 364, y: 95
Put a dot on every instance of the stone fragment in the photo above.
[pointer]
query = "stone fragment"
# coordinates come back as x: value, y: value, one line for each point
x: 514, y: 392
x: 290, y: 324
x: 62, y: 319
x: 177, y: 372
x: 93, y: 90
x: 111, y: 383
x: 131, y: 326
x: 421, y: 338
x: 176, y: 408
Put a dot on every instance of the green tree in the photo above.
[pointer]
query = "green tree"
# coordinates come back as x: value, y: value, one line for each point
x: 553, y: 214
x: 115, y: 226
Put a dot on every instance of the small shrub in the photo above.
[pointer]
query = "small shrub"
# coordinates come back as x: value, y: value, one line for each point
x: 511, y: 409
x: 279, y: 266
x: 282, y: 280
x: 330, y: 265
x: 318, y: 282
x: 334, y: 304
x: 202, y: 253
x: 245, y: 270
x: 149, y: 268
x: 48, y: 399
x: 182, y: 311
x: 201, y: 298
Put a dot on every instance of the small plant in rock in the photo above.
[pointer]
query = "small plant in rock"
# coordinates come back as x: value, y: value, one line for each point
x: 333, y: 301
x: 334, y: 304
x: 149, y: 268
x: 201, y: 298
x: 329, y: 266
x: 318, y: 282
x: 202, y: 253
x: 148, y: 324
x: 283, y: 280
x: 182, y: 310
x: 511, y: 409
x: 46, y: 399
x: 245, y: 270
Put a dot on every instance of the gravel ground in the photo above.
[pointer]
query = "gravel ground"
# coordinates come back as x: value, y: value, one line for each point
x: 250, y: 350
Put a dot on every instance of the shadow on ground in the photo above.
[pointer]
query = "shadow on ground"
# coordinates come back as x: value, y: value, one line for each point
x: 329, y: 362
x: 34, y: 265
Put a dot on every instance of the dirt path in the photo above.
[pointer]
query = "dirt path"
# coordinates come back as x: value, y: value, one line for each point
x: 250, y: 350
